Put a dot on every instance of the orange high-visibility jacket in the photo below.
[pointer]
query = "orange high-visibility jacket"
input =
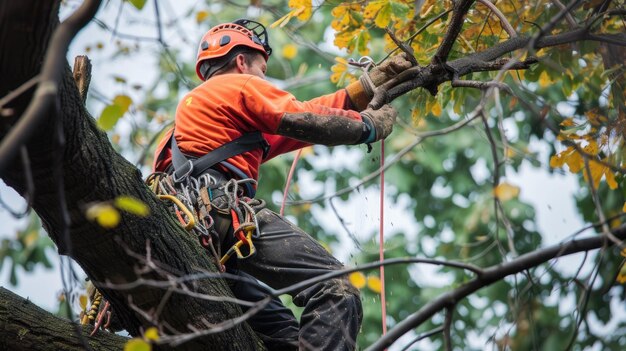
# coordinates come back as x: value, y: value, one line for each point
x: 226, y: 106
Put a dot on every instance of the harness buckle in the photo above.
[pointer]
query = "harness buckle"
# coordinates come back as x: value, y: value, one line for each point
x: 180, y: 179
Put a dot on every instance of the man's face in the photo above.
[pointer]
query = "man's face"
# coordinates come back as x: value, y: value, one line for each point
x: 257, y: 66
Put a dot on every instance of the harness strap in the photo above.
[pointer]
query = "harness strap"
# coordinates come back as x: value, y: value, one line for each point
x: 183, y: 166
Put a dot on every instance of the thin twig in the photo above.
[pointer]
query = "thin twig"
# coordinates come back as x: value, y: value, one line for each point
x: 447, y: 325
x: 568, y: 17
x: 423, y: 336
x: 505, y: 23
x: 19, y: 91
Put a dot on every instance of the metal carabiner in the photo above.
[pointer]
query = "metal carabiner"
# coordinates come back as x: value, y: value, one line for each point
x: 364, y: 62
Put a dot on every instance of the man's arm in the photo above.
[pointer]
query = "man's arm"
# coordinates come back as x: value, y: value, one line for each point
x: 338, y: 130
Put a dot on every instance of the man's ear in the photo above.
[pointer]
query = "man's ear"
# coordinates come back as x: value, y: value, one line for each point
x: 241, y: 63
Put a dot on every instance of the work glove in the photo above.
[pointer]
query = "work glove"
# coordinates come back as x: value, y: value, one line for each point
x: 389, y: 69
x: 378, y: 123
x: 362, y: 91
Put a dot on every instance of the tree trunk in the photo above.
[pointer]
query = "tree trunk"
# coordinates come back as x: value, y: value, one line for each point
x: 86, y: 169
x: 24, y: 326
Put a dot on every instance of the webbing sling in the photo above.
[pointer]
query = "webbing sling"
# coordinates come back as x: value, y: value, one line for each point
x: 183, y: 166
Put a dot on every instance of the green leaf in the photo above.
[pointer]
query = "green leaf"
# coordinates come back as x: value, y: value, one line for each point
x: 109, y: 116
x: 398, y: 9
x: 139, y: 4
x: 132, y: 205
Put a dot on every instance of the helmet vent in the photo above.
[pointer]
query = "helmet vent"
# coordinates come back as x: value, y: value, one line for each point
x: 204, y: 45
x: 224, y: 40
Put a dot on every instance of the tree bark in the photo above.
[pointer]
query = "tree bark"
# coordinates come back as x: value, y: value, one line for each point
x: 73, y: 163
x: 24, y: 326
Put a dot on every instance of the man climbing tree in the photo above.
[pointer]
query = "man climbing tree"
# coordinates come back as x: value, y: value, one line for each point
x: 224, y: 129
x: 492, y: 77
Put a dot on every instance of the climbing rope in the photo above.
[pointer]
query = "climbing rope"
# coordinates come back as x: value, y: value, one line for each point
x: 381, y: 251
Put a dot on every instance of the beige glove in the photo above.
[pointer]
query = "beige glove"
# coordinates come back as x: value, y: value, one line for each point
x: 361, y: 92
x: 380, y: 123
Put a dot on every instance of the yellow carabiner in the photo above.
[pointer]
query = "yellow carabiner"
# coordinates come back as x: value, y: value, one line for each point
x: 252, y: 249
x: 192, y: 222
x: 236, y: 248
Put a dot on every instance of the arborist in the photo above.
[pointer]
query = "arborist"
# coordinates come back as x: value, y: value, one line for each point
x: 230, y: 124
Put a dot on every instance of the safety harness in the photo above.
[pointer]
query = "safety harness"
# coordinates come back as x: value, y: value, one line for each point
x: 192, y: 185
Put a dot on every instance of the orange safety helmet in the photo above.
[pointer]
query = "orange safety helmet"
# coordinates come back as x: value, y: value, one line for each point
x: 220, y: 41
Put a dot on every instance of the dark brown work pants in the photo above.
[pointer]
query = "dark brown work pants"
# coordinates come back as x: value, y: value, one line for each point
x: 285, y: 256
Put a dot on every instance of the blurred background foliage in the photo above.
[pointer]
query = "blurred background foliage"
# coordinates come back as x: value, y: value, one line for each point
x: 447, y: 186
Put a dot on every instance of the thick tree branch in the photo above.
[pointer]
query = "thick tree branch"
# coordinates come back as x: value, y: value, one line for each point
x: 25, y: 327
x: 431, y: 76
x: 490, y: 276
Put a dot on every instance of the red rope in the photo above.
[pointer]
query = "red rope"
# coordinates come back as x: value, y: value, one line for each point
x: 293, y: 167
x: 381, y: 224
x: 382, y: 238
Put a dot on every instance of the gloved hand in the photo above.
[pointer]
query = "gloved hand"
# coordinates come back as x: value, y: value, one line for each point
x: 380, y: 123
x: 362, y: 91
x: 389, y: 69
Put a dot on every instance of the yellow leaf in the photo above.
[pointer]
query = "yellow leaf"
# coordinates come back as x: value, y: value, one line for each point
x: 201, y: 16
x: 621, y: 277
x: 104, y: 214
x: 568, y: 122
x: 436, y: 109
x: 151, y: 334
x: 557, y: 161
x: 591, y: 148
x: 357, y: 279
x: 132, y: 205
x: 384, y: 16
x: 31, y: 238
x: 624, y: 210
x: 374, y: 284
x: 123, y: 101
x: 137, y: 345
x: 506, y: 191
x: 373, y: 7
x: 290, y: 51
x: 610, y: 179
x: 301, y: 9
x: 82, y: 300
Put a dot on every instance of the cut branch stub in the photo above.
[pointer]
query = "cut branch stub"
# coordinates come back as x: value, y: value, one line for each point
x: 82, y: 75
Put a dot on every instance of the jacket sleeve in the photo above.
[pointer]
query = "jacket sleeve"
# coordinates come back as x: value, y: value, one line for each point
x: 265, y: 105
x: 290, y: 124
